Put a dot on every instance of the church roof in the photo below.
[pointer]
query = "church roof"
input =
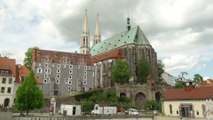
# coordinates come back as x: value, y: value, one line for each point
x: 133, y: 36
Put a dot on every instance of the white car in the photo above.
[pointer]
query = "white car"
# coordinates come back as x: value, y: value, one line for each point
x: 132, y: 111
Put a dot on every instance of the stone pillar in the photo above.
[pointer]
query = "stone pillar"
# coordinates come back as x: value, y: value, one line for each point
x: 53, y: 105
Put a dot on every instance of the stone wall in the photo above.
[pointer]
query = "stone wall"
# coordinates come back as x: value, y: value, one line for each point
x: 175, y: 118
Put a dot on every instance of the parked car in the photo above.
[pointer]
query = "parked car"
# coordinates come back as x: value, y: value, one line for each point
x: 131, y: 111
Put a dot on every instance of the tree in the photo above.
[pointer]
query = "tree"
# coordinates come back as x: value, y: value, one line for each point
x: 160, y: 70
x: 28, y: 58
x: 198, y: 79
x: 28, y: 95
x: 143, y: 70
x: 180, y: 84
x: 180, y: 81
x: 121, y: 71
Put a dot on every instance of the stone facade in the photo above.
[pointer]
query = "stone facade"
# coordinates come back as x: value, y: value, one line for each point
x: 132, y: 46
x: 63, y: 73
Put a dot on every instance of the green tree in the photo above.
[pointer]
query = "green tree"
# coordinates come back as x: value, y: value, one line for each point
x: 28, y: 58
x: 180, y: 84
x: 152, y: 105
x: 88, y: 106
x: 143, y: 70
x: 180, y: 81
x: 160, y: 70
x: 198, y: 79
x: 28, y: 95
x: 111, y: 97
x: 121, y: 71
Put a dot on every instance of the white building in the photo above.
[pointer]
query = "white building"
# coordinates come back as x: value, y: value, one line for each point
x: 169, y: 79
x: 187, y: 102
x: 7, y: 78
x: 106, y: 110
x: 70, y: 110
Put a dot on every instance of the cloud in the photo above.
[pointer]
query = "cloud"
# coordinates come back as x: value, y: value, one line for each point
x: 180, y: 31
x: 180, y: 62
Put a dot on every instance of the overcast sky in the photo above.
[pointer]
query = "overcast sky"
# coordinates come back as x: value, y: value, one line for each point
x: 180, y: 31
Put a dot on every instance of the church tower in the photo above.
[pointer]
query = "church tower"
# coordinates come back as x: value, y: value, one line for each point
x: 97, y: 35
x: 84, y: 43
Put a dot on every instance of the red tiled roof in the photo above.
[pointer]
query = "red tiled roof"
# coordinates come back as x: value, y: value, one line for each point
x: 8, y: 64
x: 21, y: 72
x: 117, y: 53
x: 59, y: 57
x: 190, y: 93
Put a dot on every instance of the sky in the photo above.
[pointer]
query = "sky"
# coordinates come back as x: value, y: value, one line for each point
x: 180, y: 31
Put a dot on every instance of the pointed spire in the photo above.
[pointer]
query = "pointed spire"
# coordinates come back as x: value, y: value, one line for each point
x: 84, y: 42
x: 85, y: 28
x: 97, y: 35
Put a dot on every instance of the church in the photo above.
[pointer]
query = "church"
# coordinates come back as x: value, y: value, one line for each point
x: 65, y: 73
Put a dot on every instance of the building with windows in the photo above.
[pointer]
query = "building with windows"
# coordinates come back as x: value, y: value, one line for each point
x: 133, y: 46
x: 188, y: 102
x: 168, y: 78
x: 7, y: 78
x: 63, y: 73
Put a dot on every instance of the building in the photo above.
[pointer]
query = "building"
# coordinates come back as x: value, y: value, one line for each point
x: 7, y: 78
x: 168, y: 78
x: 63, y: 73
x: 70, y: 110
x: 22, y: 72
x: 105, y: 110
x: 187, y: 102
x: 131, y: 45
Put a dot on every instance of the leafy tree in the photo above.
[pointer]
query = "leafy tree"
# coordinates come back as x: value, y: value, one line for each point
x: 198, y: 79
x: 180, y: 84
x: 152, y: 105
x: 87, y: 106
x: 111, y: 97
x: 160, y: 70
x: 28, y: 95
x: 28, y: 58
x: 143, y: 70
x: 121, y: 71
x: 180, y: 81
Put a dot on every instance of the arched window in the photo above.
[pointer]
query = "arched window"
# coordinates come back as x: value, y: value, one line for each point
x: 39, y: 70
x: 170, y: 108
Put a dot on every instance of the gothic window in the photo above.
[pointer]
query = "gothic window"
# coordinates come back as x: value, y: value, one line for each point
x: 84, y: 41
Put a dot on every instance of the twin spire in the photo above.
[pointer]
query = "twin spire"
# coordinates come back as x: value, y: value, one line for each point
x: 85, y: 42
